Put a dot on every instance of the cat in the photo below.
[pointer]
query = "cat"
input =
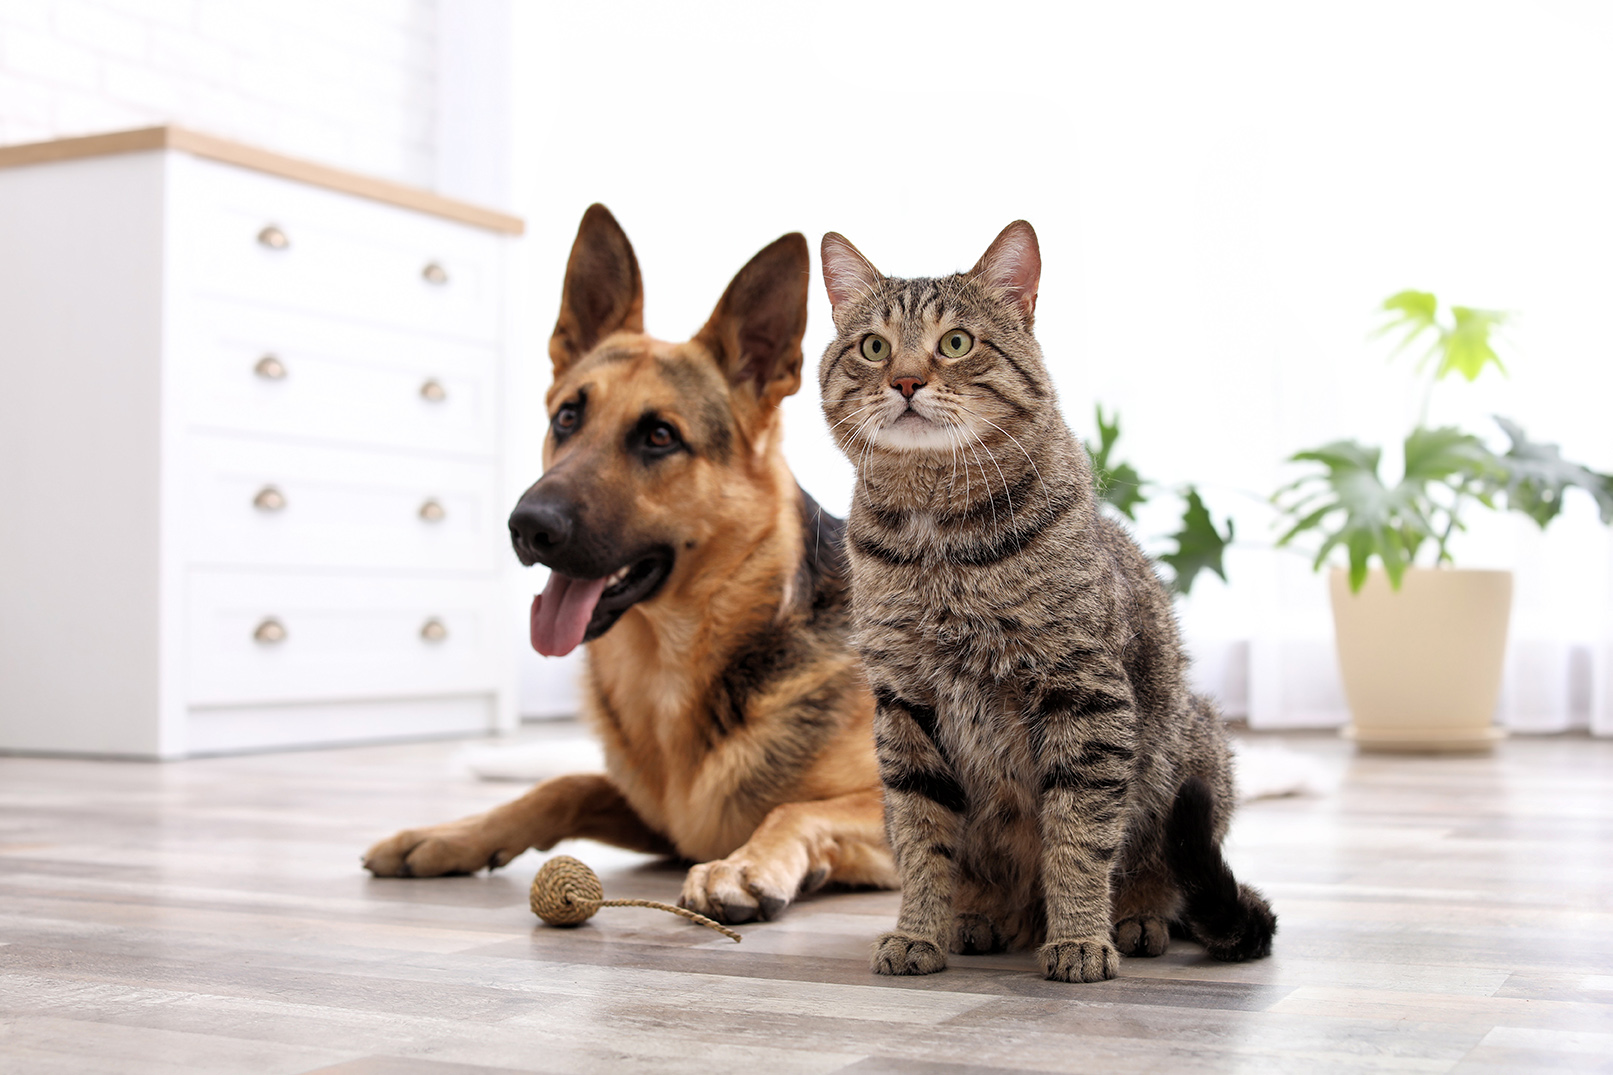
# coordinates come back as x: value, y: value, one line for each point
x: 1049, y: 780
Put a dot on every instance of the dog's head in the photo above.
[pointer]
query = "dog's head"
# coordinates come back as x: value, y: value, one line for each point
x: 649, y: 441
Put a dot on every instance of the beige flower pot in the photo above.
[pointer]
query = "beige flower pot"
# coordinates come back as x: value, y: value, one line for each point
x: 1422, y: 665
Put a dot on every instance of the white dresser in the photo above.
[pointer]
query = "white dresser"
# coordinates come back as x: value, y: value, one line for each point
x: 251, y: 445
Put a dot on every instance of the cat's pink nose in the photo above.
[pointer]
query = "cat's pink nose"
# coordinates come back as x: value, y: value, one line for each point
x: 908, y: 385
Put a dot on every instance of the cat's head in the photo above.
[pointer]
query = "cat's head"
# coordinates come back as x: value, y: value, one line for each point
x: 943, y: 365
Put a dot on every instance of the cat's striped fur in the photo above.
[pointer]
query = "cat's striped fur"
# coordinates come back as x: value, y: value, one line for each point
x: 1049, y: 780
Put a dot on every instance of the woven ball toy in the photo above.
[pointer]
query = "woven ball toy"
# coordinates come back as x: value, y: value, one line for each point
x: 567, y: 893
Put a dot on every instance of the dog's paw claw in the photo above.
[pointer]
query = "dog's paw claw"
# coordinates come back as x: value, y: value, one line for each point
x: 727, y: 890
x: 442, y: 850
x: 1086, y: 959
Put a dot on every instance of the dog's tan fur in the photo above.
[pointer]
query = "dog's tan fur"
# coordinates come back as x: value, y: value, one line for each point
x: 735, y: 720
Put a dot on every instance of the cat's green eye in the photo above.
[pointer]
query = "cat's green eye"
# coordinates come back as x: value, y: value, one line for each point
x: 956, y: 344
x: 876, y: 348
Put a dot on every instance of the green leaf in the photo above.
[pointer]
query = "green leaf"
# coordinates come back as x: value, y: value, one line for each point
x: 1108, y: 434
x: 1354, y: 508
x: 1411, y: 307
x: 1463, y: 348
x: 1123, y: 488
x: 1535, y: 476
x: 1412, y: 311
x: 1117, y: 484
x: 1199, y: 544
x: 1446, y: 453
x: 1343, y: 456
x: 1347, y: 503
x: 1466, y: 346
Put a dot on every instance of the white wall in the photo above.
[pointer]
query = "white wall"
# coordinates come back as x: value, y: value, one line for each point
x: 350, y: 83
x: 1223, y: 194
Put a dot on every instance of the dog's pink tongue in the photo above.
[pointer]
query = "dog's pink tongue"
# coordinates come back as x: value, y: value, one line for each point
x: 560, y: 614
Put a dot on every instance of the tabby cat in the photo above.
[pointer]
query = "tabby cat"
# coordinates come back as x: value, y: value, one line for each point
x: 1049, y: 780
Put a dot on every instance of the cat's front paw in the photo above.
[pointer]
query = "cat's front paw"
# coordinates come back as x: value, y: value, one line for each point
x: 1087, y: 959
x: 976, y: 935
x: 1142, y: 935
x: 903, y: 953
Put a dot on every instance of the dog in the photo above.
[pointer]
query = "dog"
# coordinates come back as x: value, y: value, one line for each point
x: 711, y: 594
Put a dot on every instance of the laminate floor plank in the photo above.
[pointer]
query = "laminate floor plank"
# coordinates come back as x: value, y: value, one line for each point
x: 1436, y: 915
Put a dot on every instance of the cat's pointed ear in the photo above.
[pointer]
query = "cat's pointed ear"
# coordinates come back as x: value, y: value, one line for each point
x: 1012, y: 266
x: 846, y: 273
x: 755, y: 331
x: 603, y: 292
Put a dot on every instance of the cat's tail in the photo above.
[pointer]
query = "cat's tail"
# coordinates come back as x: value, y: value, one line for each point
x: 1232, y: 921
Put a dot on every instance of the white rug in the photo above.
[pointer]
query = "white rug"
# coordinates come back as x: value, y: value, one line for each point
x: 1272, y: 771
x: 530, y: 761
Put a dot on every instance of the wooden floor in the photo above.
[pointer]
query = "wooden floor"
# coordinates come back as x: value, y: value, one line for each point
x: 1437, y: 915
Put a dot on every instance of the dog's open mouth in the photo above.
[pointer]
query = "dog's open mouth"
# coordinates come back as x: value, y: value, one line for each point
x: 572, y: 611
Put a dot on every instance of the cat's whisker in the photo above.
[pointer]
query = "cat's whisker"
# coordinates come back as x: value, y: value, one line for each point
x: 1009, y: 522
x: 1007, y: 493
x: 864, y: 424
x: 1046, y: 492
x: 952, y: 478
x: 991, y: 501
x: 868, y: 447
x: 953, y: 441
x: 860, y: 410
x: 968, y: 496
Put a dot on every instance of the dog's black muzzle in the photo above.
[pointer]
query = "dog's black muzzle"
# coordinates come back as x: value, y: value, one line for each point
x: 541, y: 529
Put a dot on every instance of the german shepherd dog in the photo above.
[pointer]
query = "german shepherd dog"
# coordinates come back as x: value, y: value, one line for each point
x: 711, y: 593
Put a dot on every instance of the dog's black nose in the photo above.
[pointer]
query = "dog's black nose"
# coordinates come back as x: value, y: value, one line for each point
x: 539, y: 528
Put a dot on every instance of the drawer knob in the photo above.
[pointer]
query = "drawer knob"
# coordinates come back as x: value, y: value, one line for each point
x: 433, y: 512
x: 434, y: 273
x: 270, y: 632
x: 269, y: 499
x: 433, y: 392
x: 434, y: 630
x: 273, y: 238
x: 270, y: 368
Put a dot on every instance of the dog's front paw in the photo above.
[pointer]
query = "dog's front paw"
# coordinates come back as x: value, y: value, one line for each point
x: 736, y: 889
x: 1142, y: 935
x: 903, y: 953
x: 1086, y: 959
x: 456, y: 847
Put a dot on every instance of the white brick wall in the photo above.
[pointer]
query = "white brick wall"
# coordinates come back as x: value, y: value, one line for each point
x: 352, y: 83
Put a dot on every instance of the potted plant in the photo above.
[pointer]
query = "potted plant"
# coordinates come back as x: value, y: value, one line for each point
x: 1420, y: 643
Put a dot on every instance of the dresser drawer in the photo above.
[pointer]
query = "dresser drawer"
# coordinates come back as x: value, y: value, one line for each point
x: 272, y: 637
x: 257, y: 502
x: 254, y: 370
x: 265, y: 239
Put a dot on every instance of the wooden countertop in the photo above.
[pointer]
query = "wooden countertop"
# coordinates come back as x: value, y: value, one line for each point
x: 261, y: 160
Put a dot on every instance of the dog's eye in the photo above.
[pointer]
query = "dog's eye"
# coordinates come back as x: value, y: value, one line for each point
x: 661, y: 436
x: 956, y: 344
x: 876, y: 348
x: 565, y: 419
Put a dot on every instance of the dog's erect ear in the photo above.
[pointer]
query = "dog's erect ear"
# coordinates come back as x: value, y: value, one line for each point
x: 603, y: 292
x: 755, y: 331
x: 1012, y: 265
x: 846, y: 273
